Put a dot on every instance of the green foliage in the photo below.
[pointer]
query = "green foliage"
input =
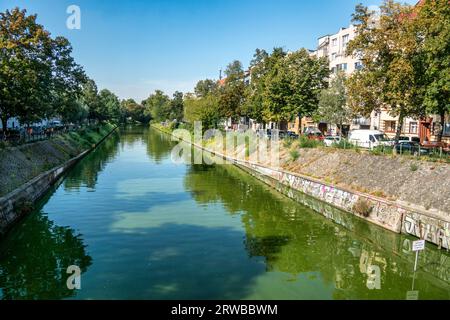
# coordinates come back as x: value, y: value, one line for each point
x: 433, y: 26
x: 309, y: 143
x: 392, y: 67
x: 232, y: 93
x: 111, y: 107
x: 134, y: 111
x: 176, y: 111
x: 287, y: 143
x: 204, y: 109
x: 294, y: 154
x: 333, y: 102
x: 293, y: 86
x: 363, y: 207
x: 205, y: 87
x: 157, y: 106
x: 382, y: 150
x: 414, y: 167
x: 261, y: 66
x: 38, y: 76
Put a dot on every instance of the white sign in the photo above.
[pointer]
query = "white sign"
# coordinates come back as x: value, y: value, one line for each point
x: 418, y: 245
x: 412, y: 295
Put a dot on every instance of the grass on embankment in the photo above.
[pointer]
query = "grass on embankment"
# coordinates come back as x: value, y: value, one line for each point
x: 412, y: 180
x: 18, y: 165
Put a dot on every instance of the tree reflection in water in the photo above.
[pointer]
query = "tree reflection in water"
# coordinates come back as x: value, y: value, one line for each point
x: 159, y: 145
x: 295, y: 240
x: 34, y: 259
x: 86, y: 172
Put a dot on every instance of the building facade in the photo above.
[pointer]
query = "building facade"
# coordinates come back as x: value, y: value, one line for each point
x: 333, y: 47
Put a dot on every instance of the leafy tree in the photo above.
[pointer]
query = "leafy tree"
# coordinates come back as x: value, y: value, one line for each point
x: 433, y: 26
x: 38, y: 76
x: 75, y: 111
x: 391, y: 64
x: 25, y: 66
x: 333, y: 102
x: 67, y: 83
x: 91, y: 99
x: 111, y: 107
x: 204, y: 109
x: 260, y: 67
x: 293, y: 86
x: 177, y: 107
x: 135, y: 111
x: 205, y: 87
x: 158, y: 106
x: 232, y: 94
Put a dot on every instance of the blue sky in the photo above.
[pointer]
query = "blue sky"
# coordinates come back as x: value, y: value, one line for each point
x: 134, y: 47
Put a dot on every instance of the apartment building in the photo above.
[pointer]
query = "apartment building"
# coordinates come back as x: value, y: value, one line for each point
x: 333, y: 47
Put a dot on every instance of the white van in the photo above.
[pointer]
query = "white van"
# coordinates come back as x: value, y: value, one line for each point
x: 369, y: 139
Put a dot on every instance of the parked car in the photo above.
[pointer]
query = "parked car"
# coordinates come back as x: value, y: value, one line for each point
x: 409, y: 147
x: 316, y: 136
x: 282, y: 134
x: 411, y: 139
x: 370, y: 139
x: 55, y: 124
x: 292, y: 135
x: 331, y: 140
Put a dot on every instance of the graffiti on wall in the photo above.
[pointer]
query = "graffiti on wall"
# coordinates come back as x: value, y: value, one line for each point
x: 427, y: 228
x: 383, y: 213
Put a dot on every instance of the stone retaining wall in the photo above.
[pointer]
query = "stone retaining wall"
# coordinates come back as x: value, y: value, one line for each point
x: 390, y: 215
x: 12, y: 206
x: 381, y: 212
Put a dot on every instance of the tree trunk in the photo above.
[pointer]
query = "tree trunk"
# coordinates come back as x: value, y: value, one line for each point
x: 401, y: 119
x: 299, y: 123
x: 4, y: 121
x: 441, y: 132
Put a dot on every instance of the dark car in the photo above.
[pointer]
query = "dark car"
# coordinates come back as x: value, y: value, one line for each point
x: 292, y: 135
x: 409, y: 147
x: 282, y: 134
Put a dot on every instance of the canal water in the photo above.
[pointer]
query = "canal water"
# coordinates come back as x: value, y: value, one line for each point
x: 141, y: 227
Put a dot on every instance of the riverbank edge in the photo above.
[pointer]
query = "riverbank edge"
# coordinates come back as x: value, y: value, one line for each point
x: 16, y: 204
x: 390, y: 215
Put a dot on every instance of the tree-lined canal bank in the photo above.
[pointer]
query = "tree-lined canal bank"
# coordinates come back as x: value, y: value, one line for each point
x: 141, y: 227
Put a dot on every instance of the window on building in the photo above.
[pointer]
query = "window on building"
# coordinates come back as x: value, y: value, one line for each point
x: 333, y: 56
x: 358, y: 65
x: 390, y: 126
x: 342, y: 67
x: 413, y: 127
x: 345, y: 40
x: 334, y: 42
x: 447, y: 130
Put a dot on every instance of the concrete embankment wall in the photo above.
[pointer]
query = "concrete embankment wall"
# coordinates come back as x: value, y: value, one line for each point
x: 18, y: 203
x: 384, y: 213
x: 388, y: 214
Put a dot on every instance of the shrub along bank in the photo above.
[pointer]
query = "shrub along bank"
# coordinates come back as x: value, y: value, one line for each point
x: 18, y: 165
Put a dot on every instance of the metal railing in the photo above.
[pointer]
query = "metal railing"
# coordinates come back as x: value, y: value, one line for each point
x: 30, y: 135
